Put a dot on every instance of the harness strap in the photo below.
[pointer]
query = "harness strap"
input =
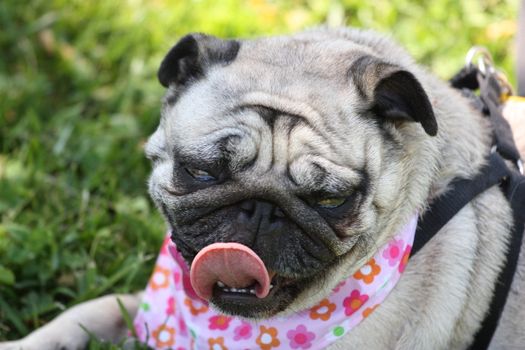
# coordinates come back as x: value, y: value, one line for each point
x: 461, y: 192
x: 514, y: 187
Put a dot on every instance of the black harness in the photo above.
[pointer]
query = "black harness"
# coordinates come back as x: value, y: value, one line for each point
x: 495, y: 172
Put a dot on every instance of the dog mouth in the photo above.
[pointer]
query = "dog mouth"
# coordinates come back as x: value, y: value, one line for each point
x: 229, y: 268
x: 233, y: 276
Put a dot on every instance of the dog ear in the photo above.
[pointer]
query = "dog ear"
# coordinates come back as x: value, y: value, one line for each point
x: 190, y: 57
x: 392, y: 92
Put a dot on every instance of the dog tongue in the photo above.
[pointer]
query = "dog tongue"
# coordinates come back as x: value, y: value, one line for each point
x: 233, y: 264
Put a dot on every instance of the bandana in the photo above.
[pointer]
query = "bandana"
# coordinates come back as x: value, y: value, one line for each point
x: 171, y: 316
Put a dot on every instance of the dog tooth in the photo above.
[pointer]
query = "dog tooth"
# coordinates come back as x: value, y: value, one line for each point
x: 220, y: 284
x: 252, y: 291
x: 271, y: 286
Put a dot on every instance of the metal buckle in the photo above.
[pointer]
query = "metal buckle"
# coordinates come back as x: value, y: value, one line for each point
x: 484, y: 62
x: 480, y: 58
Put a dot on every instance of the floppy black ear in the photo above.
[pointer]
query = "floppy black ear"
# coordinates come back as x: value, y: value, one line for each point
x: 393, y: 93
x: 190, y: 57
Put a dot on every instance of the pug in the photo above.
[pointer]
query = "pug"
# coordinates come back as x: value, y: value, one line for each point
x: 311, y: 151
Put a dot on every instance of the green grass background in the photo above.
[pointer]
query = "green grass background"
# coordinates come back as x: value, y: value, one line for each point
x: 79, y: 96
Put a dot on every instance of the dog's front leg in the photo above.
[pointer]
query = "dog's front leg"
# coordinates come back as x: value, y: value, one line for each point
x: 100, y: 317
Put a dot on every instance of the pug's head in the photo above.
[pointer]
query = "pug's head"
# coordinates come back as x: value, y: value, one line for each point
x: 306, y: 150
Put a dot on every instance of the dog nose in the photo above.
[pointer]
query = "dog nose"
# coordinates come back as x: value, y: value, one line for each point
x: 261, y: 213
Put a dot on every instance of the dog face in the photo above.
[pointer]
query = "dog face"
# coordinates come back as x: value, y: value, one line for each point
x: 301, y: 148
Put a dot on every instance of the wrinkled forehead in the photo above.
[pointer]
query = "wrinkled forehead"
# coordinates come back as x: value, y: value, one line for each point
x: 270, y: 143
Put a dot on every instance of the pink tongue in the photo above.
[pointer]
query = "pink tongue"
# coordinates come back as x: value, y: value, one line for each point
x: 233, y: 264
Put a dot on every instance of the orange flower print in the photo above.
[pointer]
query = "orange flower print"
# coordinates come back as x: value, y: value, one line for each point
x: 195, y: 309
x: 369, y: 310
x: 164, y: 336
x: 323, y: 310
x: 160, y: 278
x: 368, y: 272
x: 267, y: 338
x: 217, y: 343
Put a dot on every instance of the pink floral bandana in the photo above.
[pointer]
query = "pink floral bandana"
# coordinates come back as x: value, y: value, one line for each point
x: 172, y: 317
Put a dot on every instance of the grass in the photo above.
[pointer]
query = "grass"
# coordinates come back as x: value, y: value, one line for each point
x: 79, y: 96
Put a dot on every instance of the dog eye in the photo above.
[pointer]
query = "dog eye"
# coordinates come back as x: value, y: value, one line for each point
x: 200, y: 175
x: 330, y: 203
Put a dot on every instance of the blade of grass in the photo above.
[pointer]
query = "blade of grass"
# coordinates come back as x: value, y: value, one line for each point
x: 110, y: 282
x: 14, y: 317
x: 127, y: 318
